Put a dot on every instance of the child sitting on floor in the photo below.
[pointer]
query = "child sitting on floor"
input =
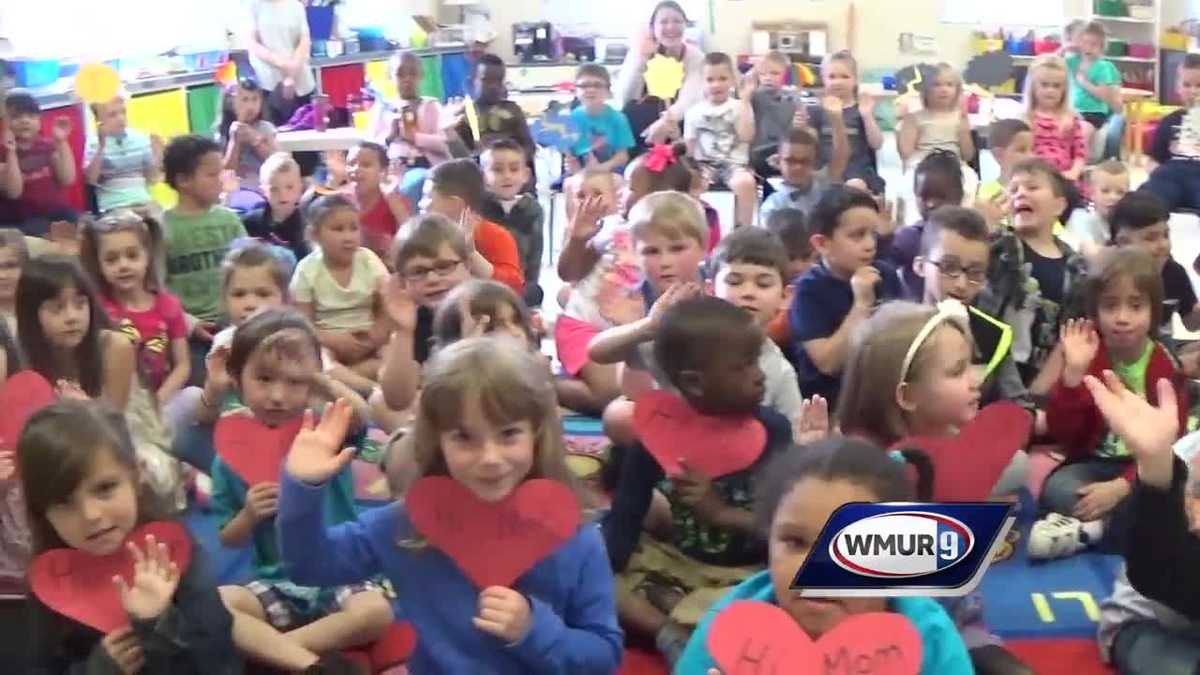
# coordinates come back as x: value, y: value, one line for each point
x: 1086, y: 497
x: 709, y: 351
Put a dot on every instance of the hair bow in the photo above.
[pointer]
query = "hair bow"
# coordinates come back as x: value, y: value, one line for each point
x: 948, y: 310
x: 660, y: 157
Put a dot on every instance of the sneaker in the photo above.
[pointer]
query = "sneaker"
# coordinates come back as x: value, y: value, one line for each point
x: 1056, y: 536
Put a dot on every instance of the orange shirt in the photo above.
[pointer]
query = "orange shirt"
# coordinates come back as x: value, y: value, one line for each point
x: 780, y: 330
x: 499, y: 248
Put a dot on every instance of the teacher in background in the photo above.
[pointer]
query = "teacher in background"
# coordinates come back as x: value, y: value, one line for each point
x: 654, y: 120
x: 280, y: 48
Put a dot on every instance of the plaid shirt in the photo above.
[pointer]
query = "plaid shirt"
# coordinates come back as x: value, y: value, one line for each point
x: 1012, y: 294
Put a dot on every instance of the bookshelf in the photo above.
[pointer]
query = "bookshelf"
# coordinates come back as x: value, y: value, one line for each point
x: 1143, y: 25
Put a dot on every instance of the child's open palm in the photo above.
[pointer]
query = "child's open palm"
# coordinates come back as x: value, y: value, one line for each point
x: 670, y: 297
x: 398, y: 303
x: 587, y: 218
x: 317, y: 454
x: 1080, y: 344
x: 216, y: 367
x: 812, y: 424
x: 155, y: 578
x: 1148, y: 431
x: 832, y: 106
x: 62, y: 129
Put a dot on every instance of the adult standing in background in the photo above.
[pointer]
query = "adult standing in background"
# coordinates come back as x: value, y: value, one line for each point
x: 654, y: 120
x: 280, y: 47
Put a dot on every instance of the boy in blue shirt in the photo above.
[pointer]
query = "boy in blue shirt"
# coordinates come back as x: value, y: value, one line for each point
x: 605, y: 137
x: 837, y: 295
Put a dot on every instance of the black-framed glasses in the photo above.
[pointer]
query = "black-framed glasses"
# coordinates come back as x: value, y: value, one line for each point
x: 440, y: 269
x: 953, y: 270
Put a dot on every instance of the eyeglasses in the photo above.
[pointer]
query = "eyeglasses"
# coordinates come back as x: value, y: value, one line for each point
x: 440, y: 269
x: 953, y: 270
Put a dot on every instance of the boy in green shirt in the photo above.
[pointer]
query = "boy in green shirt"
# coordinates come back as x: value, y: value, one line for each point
x: 197, y: 232
x: 1095, y: 81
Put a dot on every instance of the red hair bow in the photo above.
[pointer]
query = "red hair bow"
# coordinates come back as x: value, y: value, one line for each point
x: 660, y: 157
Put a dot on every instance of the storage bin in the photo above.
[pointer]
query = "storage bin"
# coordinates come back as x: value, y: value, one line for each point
x: 1111, y: 8
x: 320, y: 22
x: 33, y: 73
x: 1116, y: 48
x: 1046, y: 46
x: 1174, y: 40
x: 1142, y: 12
x: 1141, y: 50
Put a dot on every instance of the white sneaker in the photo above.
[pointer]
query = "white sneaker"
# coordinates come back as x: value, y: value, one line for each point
x: 1055, y: 536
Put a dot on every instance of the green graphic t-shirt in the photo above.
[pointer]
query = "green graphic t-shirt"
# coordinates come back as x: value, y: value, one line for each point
x: 1133, y: 376
x: 195, y: 246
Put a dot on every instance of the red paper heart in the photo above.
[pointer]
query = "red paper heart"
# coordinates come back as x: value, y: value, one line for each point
x: 21, y: 396
x: 750, y: 636
x: 493, y: 543
x: 967, y: 466
x: 671, y: 430
x: 79, y: 585
x: 252, y: 449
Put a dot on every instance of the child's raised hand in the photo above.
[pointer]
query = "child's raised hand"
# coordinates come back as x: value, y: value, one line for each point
x: 993, y: 209
x: 61, y: 131
x: 156, y: 145
x: 832, y: 105
x: 468, y: 223
x: 812, y: 424
x: 8, y: 464
x: 866, y: 104
x: 670, y: 297
x: 587, y: 218
x: 1148, y: 431
x: 398, y: 303
x: 125, y: 649
x: 155, y: 578
x: 229, y: 181
x: 262, y: 501
x: 472, y: 326
x: 503, y: 613
x: 748, y: 84
x: 800, y: 118
x: 216, y: 368
x: 317, y: 454
x: 1080, y: 344
x: 1097, y: 499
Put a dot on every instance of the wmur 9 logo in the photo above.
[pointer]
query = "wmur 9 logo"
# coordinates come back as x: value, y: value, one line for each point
x: 900, y: 549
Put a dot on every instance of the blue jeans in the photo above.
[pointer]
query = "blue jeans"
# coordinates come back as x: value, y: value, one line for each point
x: 1060, y: 493
x: 1149, y: 648
x: 1177, y: 183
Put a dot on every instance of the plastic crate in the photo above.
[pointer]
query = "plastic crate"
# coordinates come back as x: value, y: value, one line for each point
x: 1116, y: 48
x: 1142, y: 50
x: 34, y: 73
x: 320, y: 22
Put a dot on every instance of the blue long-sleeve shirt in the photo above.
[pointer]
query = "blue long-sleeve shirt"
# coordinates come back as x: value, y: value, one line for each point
x: 573, y: 627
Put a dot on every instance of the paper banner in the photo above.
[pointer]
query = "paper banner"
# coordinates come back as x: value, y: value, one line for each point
x: 493, y: 543
x: 967, y: 466
x: 555, y: 129
x: 226, y: 74
x: 749, y: 636
x: 252, y: 449
x: 21, y: 396
x: 79, y: 585
x: 672, y: 431
x: 664, y: 77
x: 97, y: 83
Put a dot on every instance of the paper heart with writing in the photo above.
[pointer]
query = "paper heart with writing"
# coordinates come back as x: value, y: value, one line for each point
x: 967, y: 466
x: 79, y: 585
x: 252, y: 449
x: 750, y: 636
x: 21, y: 396
x: 493, y: 543
x: 672, y: 430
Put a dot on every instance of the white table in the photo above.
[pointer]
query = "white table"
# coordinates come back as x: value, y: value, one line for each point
x: 311, y: 140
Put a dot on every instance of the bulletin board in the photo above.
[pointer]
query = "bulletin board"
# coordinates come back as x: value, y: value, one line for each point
x: 165, y: 114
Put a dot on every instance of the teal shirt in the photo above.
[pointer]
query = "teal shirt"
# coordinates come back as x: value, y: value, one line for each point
x: 195, y: 246
x: 1101, y: 73
x: 943, y: 651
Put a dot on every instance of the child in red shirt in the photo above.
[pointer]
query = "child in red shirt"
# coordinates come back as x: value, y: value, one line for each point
x: 34, y: 170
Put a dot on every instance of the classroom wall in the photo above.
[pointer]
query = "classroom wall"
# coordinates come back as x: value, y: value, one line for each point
x: 878, y: 24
